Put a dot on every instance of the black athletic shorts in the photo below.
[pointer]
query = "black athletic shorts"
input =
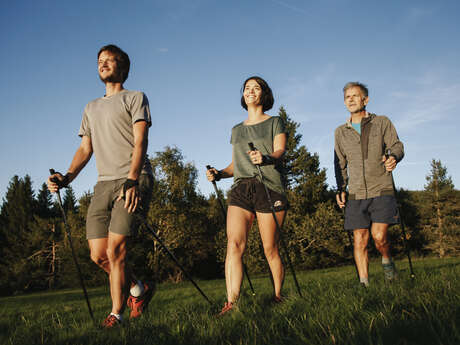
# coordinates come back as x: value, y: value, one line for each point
x: 359, y: 214
x: 250, y: 194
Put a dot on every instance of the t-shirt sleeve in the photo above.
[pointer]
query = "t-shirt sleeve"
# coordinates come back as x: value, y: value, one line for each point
x: 278, y: 126
x: 234, y: 135
x: 84, y: 126
x: 140, y: 110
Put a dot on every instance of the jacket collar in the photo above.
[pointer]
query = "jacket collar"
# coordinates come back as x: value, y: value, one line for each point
x: 368, y: 117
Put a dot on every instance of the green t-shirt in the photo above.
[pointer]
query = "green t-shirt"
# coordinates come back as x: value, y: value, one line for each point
x: 261, y: 135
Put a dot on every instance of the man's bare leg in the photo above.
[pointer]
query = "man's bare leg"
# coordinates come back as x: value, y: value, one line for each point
x: 380, y: 235
x: 119, y: 282
x: 361, y: 239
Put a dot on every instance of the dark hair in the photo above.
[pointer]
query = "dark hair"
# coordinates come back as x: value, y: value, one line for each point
x: 121, y: 57
x: 362, y: 86
x: 267, y: 96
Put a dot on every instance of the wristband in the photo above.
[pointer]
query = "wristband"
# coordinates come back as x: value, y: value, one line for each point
x: 268, y: 160
x: 65, y: 181
x: 218, y: 176
x: 129, y: 184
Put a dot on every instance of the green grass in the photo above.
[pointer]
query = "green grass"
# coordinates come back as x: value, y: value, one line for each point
x: 334, y: 310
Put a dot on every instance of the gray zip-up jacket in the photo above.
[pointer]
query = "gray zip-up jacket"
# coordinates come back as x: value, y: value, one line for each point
x: 358, y: 158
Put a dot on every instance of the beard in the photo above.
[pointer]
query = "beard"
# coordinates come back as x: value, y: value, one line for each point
x: 115, y: 77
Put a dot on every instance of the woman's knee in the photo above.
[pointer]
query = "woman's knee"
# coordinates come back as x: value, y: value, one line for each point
x: 235, y: 247
x: 271, y: 252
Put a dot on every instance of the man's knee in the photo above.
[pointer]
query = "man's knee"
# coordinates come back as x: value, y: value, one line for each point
x: 379, y: 234
x: 116, y: 254
x: 99, y: 258
x: 361, y: 238
x: 381, y: 241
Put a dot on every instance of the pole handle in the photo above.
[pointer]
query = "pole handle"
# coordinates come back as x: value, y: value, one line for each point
x: 54, y: 179
x: 216, y: 177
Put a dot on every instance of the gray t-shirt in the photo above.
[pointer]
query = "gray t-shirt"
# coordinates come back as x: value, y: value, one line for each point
x: 261, y: 135
x: 108, y: 122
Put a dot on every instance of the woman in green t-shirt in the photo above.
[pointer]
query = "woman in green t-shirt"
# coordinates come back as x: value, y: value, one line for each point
x: 247, y: 197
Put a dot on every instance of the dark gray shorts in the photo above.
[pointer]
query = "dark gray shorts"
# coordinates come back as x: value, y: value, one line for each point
x: 359, y: 214
x: 106, y: 214
x: 250, y: 195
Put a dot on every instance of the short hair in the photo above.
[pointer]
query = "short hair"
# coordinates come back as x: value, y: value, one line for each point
x: 266, y: 99
x: 362, y: 86
x: 121, y: 57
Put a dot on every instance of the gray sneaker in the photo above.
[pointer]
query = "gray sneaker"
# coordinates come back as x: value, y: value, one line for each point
x: 390, y: 271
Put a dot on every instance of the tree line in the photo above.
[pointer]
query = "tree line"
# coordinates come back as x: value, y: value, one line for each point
x: 35, y: 253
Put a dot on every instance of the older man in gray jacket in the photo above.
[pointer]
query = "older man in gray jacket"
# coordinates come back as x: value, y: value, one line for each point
x: 363, y: 166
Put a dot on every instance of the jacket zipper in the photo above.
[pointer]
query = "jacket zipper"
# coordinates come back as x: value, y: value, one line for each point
x: 362, y: 158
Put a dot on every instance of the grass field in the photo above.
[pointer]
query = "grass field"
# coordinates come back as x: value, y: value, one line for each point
x: 334, y: 310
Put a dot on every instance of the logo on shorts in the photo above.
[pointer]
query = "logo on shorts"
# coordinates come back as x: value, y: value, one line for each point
x: 278, y: 203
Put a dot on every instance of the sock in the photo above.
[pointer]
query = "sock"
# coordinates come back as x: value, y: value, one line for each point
x: 137, y: 290
x: 118, y: 316
x: 364, y: 280
x: 386, y: 261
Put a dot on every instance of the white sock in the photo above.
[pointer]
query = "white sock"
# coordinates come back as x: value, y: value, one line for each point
x: 137, y: 290
x: 386, y: 261
x: 118, y: 316
x: 364, y: 280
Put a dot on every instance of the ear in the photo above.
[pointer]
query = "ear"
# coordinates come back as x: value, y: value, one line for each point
x: 366, y: 100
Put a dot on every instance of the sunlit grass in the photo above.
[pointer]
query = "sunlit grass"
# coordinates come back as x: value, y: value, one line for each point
x: 334, y: 310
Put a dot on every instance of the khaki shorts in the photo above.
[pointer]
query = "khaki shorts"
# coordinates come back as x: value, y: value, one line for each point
x: 106, y: 214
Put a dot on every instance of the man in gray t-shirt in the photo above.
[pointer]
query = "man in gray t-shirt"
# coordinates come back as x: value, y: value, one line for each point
x: 115, y: 127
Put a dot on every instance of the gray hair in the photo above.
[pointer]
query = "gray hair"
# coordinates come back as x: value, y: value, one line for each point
x: 351, y: 84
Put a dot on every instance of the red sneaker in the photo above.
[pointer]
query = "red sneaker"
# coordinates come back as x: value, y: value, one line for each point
x: 228, y: 306
x: 139, y: 304
x: 111, y: 321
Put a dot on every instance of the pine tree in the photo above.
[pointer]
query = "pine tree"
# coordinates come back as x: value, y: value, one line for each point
x: 443, y: 210
x: 69, y: 201
x: 17, y: 214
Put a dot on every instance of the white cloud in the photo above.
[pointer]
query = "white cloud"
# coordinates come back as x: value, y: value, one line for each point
x: 432, y: 102
x: 293, y: 8
x: 162, y: 50
x: 416, y: 14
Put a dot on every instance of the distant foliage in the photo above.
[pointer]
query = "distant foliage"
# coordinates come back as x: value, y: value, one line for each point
x: 35, y: 252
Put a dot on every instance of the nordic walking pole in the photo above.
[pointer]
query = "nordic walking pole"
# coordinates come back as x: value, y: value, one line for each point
x: 222, y: 207
x: 351, y: 244
x: 278, y: 227
x: 176, y: 261
x: 67, y: 229
x: 406, y: 247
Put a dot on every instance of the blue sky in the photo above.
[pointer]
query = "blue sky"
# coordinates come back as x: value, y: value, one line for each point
x: 191, y: 57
